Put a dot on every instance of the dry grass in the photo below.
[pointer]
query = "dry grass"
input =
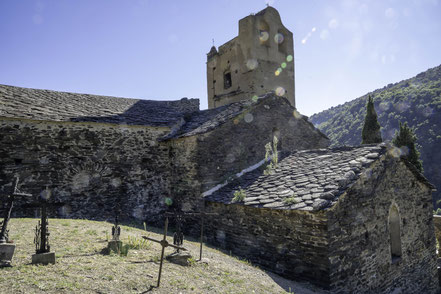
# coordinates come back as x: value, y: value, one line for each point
x: 81, y: 268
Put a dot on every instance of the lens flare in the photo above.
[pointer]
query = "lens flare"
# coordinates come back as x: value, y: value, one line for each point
x: 395, y: 152
x: 404, y: 150
x: 402, y: 106
x: 277, y: 73
x: 289, y: 58
x: 384, y: 106
x: 283, y: 65
x: 296, y: 114
x: 248, y: 118
x: 252, y: 64
x: 263, y: 36
x: 427, y: 111
x: 46, y: 194
x: 168, y: 201
x: 255, y: 98
x: 278, y: 38
x: 280, y: 91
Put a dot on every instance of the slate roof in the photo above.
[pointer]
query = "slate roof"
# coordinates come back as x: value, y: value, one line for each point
x: 206, y: 120
x: 304, y: 180
x: 47, y: 105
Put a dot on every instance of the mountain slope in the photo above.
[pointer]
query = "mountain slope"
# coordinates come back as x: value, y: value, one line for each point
x: 416, y: 100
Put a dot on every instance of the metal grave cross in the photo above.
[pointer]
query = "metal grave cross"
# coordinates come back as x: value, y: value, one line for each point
x: 7, y: 216
x: 164, y: 243
x: 178, y: 236
x: 41, y: 239
x: 116, y: 230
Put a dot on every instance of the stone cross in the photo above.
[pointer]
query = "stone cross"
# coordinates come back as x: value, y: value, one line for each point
x: 7, y: 216
x: 178, y: 236
x: 164, y: 243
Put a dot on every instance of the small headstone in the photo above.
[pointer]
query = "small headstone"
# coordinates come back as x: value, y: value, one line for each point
x: 114, y: 246
x: 6, y: 253
x: 43, y: 258
x: 180, y: 257
x: 7, y: 249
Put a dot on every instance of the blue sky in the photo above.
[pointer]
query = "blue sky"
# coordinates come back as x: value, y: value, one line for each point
x: 156, y: 49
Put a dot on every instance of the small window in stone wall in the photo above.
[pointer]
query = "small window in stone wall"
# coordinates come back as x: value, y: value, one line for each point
x: 227, y: 80
x: 279, y: 38
x: 395, y: 234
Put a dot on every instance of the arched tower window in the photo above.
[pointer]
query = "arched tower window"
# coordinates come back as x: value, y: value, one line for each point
x: 227, y: 80
x: 264, y: 32
x: 395, y: 234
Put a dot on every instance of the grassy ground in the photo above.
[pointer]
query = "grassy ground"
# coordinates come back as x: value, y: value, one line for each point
x: 82, y: 268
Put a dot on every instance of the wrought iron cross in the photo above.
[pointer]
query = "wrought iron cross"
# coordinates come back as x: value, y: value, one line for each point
x: 116, y: 230
x: 7, y: 216
x: 178, y: 235
x: 164, y: 243
x: 41, y: 239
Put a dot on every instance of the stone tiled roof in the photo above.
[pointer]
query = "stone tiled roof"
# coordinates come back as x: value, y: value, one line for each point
x: 304, y: 180
x: 206, y: 120
x: 47, y: 105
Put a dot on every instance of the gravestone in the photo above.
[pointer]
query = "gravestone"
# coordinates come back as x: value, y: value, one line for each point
x: 7, y: 249
x: 115, y: 244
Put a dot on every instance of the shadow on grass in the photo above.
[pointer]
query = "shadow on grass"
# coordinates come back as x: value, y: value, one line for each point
x: 79, y: 255
x: 149, y: 290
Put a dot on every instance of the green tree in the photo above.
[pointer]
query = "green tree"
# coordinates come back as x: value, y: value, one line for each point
x: 371, y: 128
x: 405, y: 139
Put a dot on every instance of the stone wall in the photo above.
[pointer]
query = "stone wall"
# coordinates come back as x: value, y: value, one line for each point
x: 360, y: 251
x: 240, y: 143
x: 89, y: 166
x: 184, y: 182
x: 288, y: 242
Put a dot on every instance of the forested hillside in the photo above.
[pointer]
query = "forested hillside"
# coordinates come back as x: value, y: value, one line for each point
x: 416, y: 101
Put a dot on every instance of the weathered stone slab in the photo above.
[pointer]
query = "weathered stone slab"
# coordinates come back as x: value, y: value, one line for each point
x: 43, y: 258
x: 6, y: 254
x: 182, y: 258
x: 114, y: 246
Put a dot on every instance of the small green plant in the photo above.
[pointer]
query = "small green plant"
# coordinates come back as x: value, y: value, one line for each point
x: 137, y: 243
x: 290, y: 200
x: 239, y: 195
x: 91, y: 232
x: 124, y: 250
x: 271, y: 151
x: 192, y: 261
x: 156, y: 258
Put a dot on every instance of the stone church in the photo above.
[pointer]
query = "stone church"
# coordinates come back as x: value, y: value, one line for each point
x: 351, y: 219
